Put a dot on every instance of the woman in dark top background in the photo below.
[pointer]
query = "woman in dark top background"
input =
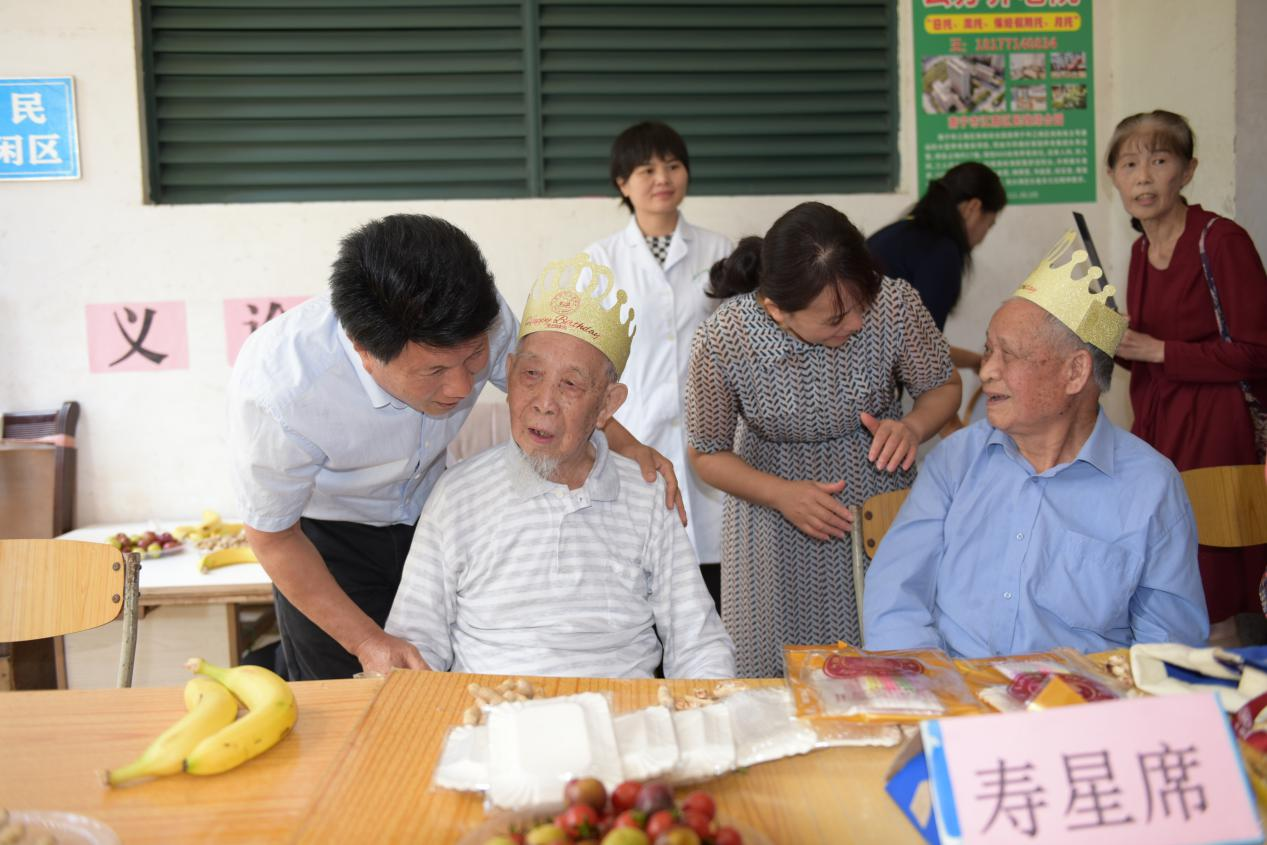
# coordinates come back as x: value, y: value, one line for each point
x: 931, y: 247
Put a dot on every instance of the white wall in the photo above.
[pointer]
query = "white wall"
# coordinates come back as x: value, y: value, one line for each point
x: 1251, y: 117
x: 152, y: 445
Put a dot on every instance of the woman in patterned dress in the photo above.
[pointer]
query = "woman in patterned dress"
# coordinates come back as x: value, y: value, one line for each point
x: 793, y: 409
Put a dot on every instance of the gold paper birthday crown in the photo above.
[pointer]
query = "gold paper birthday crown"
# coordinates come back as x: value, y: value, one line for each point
x: 579, y: 298
x: 1053, y: 287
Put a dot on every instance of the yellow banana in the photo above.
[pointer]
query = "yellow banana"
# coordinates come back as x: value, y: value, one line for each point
x: 271, y: 713
x: 211, y: 707
x: 227, y: 557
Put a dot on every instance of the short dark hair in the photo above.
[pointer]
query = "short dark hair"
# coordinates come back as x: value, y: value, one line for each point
x: 638, y: 144
x: 808, y: 249
x: 409, y: 277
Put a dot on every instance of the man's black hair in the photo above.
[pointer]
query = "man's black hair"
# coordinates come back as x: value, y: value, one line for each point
x: 409, y: 277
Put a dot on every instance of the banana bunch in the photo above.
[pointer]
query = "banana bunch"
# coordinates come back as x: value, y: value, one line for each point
x: 211, y: 526
x: 208, y: 740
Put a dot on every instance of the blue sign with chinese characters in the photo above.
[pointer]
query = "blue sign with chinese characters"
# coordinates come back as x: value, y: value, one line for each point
x: 38, y: 137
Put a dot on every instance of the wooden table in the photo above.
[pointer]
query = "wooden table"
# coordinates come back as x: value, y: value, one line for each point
x: 54, y: 743
x: 381, y: 783
x: 358, y: 768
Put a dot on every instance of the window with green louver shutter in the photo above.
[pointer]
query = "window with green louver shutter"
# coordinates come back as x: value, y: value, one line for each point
x: 268, y: 100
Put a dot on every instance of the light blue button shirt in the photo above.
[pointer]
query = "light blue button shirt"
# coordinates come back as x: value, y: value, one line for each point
x: 988, y: 557
x: 312, y: 434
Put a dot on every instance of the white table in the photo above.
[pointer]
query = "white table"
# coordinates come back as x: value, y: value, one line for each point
x: 176, y: 578
x: 184, y: 613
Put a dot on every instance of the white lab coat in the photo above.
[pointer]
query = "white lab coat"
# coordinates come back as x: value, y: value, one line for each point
x: 669, y: 304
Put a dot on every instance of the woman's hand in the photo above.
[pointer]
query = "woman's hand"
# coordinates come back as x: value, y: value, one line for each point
x: 651, y: 462
x: 1137, y: 346
x: 893, y: 443
x: 811, y: 507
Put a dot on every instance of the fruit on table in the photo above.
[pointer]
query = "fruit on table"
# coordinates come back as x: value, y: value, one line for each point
x: 700, y: 802
x: 578, y: 820
x: 624, y: 795
x: 546, y: 834
x: 587, y: 821
x: 678, y: 836
x: 586, y: 791
x: 227, y: 557
x: 146, y: 544
x: 653, y: 797
x: 211, y: 707
x: 660, y: 822
x: 271, y: 713
x: 210, y: 526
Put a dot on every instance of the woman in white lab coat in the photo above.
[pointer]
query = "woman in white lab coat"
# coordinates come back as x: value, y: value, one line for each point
x: 663, y: 262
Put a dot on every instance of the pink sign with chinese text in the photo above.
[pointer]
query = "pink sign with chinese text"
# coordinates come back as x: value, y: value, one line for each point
x: 1164, y: 771
x: 243, y: 316
x: 137, y: 336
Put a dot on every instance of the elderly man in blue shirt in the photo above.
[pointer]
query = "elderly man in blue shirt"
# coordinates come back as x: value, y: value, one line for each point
x: 1044, y: 525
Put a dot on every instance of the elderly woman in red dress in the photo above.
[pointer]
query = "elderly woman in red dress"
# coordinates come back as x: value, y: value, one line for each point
x: 1197, y: 343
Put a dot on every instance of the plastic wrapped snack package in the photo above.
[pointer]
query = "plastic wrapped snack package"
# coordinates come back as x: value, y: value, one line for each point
x: 1022, y: 681
x: 706, y: 745
x: 464, y: 762
x: 764, y: 726
x: 847, y: 684
x: 540, y: 745
x: 647, y: 742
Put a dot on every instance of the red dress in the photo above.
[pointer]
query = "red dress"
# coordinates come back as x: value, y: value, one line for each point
x: 1191, y: 407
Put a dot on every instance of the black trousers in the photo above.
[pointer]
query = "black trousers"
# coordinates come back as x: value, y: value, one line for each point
x: 711, y: 573
x: 366, y: 562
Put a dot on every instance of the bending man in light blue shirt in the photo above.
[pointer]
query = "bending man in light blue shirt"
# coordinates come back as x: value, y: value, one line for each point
x: 1044, y: 525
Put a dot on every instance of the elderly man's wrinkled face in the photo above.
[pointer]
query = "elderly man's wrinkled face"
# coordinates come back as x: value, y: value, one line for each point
x: 1024, y: 370
x: 560, y: 389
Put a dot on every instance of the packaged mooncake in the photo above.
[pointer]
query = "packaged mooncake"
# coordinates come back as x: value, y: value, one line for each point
x: 847, y: 684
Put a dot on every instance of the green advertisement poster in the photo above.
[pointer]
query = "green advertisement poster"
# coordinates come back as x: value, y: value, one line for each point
x: 1009, y: 83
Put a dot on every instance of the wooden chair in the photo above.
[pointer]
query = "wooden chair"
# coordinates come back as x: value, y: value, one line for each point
x: 58, y: 428
x: 1230, y: 505
x: 870, y: 523
x: 54, y: 587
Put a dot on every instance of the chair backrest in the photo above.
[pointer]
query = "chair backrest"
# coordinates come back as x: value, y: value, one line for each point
x: 871, y: 522
x: 29, y: 425
x: 58, y: 426
x: 54, y: 587
x: 1230, y: 504
x: 878, y: 514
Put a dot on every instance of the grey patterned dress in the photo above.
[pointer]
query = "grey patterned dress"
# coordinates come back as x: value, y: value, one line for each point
x: 790, y: 409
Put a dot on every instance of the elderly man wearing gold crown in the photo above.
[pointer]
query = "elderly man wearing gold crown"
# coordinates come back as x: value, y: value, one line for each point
x: 1044, y: 525
x: 548, y: 554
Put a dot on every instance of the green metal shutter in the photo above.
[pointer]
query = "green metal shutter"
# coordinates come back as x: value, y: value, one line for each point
x: 262, y: 100
x: 266, y: 100
x: 771, y: 97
